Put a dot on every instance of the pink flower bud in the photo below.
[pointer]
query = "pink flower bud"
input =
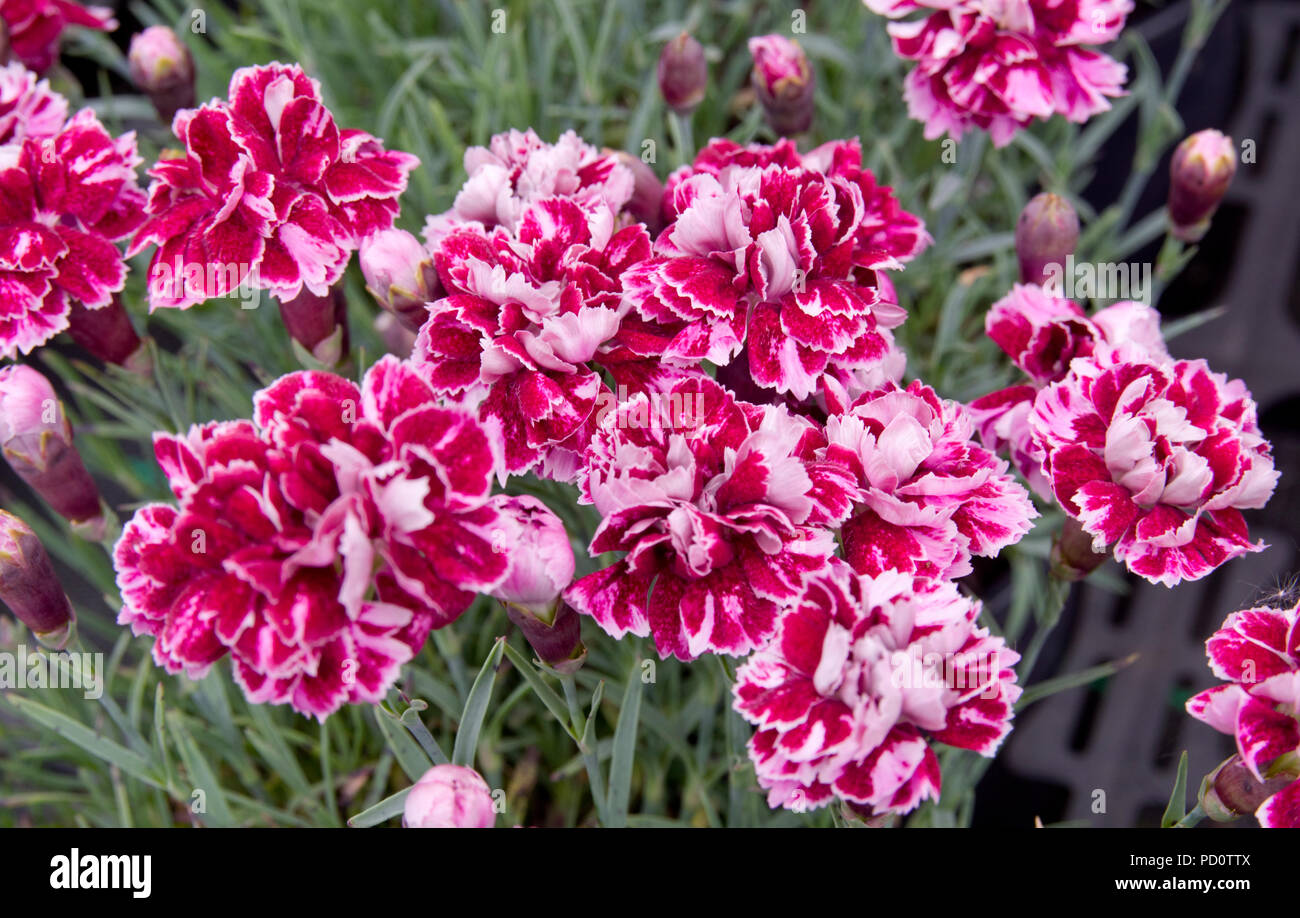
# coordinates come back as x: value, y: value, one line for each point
x: 163, y: 68
x: 1047, y: 232
x: 683, y: 73
x: 449, y: 797
x: 318, y: 324
x: 784, y: 82
x: 1201, y: 170
x: 541, y: 555
x: 108, y: 334
x: 646, y: 204
x: 399, y: 274
x: 28, y: 585
x: 37, y: 441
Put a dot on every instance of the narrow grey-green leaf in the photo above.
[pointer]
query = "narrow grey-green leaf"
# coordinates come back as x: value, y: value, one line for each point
x: 547, y: 695
x: 625, y: 733
x: 1177, y: 807
x: 383, y: 810
x: 476, y: 705
x: 215, y: 811
x: 79, y: 734
x: 407, y: 752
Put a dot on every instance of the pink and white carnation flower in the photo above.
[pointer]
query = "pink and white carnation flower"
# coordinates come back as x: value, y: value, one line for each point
x: 1155, y: 459
x: 270, y: 193
x: 524, y: 316
x: 887, y: 236
x: 721, y: 509
x: 1042, y: 333
x: 318, y: 544
x: 28, y: 107
x: 778, y: 256
x: 863, y: 676
x: 926, y: 497
x: 64, y: 200
x: 996, y: 65
x: 36, y: 27
x: 518, y: 169
x: 1257, y: 653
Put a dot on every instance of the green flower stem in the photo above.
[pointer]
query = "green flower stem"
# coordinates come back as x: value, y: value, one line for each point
x: 1205, y: 13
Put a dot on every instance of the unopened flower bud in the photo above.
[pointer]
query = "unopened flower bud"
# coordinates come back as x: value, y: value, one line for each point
x: 163, y: 69
x: 557, y: 640
x: 1046, y: 234
x: 541, y: 566
x: 399, y: 274
x: 783, y: 80
x: 107, y: 333
x: 1199, y: 175
x: 541, y: 555
x: 450, y: 797
x: 28, y: 585
x: 1232, y: 791
x: 37, y: 442
x: 647, y: 192
x: 1073, y: 557
x: 683, y: 73
x: 318, y: 325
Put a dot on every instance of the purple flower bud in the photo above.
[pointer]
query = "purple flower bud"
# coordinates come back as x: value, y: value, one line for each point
x: 163, y: 68
x: 399, y: 274
x: 1072, y: 554
x: 108, y: 334
x: 28, y: 585
x: 784, y: 82
x: 683, y: 73
x: 449, y: 797
x: 558, y: 642
x: 1232, y: 791
x: 37, y: 441
x: 1201, y: 170
x: 318, y: 324
x: 1046, y: 234
x: 646, y: 204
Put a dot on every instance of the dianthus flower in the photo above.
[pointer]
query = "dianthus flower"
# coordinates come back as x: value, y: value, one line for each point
x: 36, y: 26
x: 518, y: 169
x: 1257, y: 653
x: 270, y: 193
x: 776, y: 253
x: 525, y: 313
x: 1157, y: 459
x: 998, y: 64
x: 862, y: 675
x: 28, y: 107
x: 721, y: 509
x: 318, y: 544
x: 64, y: 199
x: 927, y: 497
x: 1042, y: 333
